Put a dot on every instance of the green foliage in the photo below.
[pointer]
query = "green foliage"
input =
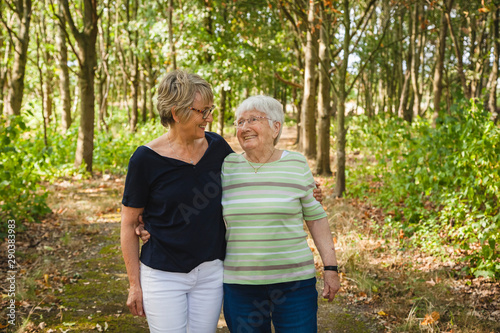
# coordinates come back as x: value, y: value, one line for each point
x: 26, y: 162
x: 440, y: 185
x: 21, y: 194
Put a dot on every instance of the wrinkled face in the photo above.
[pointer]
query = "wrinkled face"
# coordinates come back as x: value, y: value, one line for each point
x: 195, y: 124
x: 254, y: 132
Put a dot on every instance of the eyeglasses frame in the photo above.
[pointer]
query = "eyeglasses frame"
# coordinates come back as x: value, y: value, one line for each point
x: 205, y: 113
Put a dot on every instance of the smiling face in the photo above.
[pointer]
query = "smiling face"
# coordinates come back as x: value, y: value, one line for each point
x: 195, y: 125
x: 258, y: 135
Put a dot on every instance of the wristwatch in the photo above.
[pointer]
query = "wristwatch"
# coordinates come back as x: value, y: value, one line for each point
x: 331, y: 268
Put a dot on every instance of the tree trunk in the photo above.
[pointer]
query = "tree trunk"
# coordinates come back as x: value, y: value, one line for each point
x: 87, y: 57
x: 458, y: 51
x: 222, y: 110
x: 308, y: 137
x: 21, y: 42
x: 415, y: 63
x: 492, y: 97
x: 3, y: 73
x: 405, y: 112
x: 135, y: 95
x: 438, y: 72
x: 144, y: 103
x: 323, y: 155
x: 341, y: 130
x: 64, y: 81
x: 171, y: 34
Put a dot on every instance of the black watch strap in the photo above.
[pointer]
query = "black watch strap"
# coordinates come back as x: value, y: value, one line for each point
x: 331, y: 268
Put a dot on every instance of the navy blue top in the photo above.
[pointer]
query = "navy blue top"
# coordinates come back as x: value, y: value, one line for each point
x: 182, y: 206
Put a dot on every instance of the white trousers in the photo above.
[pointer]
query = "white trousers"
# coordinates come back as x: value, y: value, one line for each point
x: 183, y: 302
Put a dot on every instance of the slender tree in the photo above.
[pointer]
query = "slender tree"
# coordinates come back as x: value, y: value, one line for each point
x: 22, y: 10
x: 64, y: 79
x: 87, y: 59
x: 308, y: 135
x: 324, y: 100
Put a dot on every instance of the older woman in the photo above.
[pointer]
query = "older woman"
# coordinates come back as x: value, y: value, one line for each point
x: 174, y: 183
x: 269, y: 272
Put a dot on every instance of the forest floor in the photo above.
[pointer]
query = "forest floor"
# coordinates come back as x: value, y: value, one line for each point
x: 71, y: 276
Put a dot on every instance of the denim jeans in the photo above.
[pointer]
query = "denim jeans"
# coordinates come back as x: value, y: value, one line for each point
x: 291, y: 306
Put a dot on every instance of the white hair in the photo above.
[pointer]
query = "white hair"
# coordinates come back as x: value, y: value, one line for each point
x: 266, y: 104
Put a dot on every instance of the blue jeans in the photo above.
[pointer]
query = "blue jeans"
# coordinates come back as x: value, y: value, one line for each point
x: 292, y: 307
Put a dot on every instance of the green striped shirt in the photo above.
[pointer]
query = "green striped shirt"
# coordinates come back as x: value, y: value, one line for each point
x: 264, y: 212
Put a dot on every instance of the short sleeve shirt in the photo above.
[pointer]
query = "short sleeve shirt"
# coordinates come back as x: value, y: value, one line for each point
x: 182, y: 206
x: 264, y: 211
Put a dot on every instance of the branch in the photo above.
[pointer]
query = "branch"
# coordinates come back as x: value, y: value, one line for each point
x: 364, y: 25
x: 290, y: 83
x: 65, y: 6
x: 370, y: 57
x: 62, y: 24
x: 458, y: 52
x: 12, y: 33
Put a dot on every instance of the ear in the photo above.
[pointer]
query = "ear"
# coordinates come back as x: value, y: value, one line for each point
x: 174, y: 115
x: 276, y: 128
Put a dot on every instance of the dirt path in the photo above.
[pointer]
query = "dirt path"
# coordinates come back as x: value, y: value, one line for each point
x: 72, y: 278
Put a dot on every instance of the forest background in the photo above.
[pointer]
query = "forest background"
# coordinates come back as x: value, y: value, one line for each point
x: 395, y: 102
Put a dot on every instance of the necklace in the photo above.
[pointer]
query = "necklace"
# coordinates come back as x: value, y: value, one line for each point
x: 257, y: 169
x: 182, y: 159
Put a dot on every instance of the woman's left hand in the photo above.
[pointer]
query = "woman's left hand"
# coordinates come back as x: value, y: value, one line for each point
x: 332, y: 285
x: 317, y: 193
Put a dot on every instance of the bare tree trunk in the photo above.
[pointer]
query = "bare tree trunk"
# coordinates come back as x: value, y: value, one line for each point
x: 415, y: 63
x: 323, y: 155
x: 222, y: 110
x: 144, y: 103
x: 492, y: 97
x: 3, y: 72
x: 341, y: 130
x: 403, y: 111
x: 47, y: 72
x: 171, y: 34
x: 87, y: 57
x: 438, y: 72
x: 458, y: 52
x: 135, y: 95
x: 64, y: 81
x: 308, y: 138
x: 21, y: 41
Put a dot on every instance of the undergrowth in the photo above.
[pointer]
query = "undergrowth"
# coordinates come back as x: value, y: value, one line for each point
x: 439, y: 186
x: 27, y: 161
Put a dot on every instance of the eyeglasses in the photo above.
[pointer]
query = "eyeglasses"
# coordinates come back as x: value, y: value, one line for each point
x: 205, y: 113
x: 252, y: 120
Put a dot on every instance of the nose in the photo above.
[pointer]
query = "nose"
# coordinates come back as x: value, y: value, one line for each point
x: 209, y: 118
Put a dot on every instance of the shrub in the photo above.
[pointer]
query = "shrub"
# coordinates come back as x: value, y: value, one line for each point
x: 442, y: 184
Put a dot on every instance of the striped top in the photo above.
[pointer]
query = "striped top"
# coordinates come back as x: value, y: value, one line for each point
x: 264, y: 212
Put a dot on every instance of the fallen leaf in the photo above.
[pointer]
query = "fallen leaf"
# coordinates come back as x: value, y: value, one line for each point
x: 431, y: 282
x: 382, y: 313
x: 3, y: 326
x: 431, y: 318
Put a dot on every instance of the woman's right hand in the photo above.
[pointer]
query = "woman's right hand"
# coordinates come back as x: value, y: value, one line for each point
x: 143, y: 234
x: 134, y: 301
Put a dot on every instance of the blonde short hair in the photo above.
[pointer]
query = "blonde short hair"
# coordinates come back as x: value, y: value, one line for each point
x: 178, y: 90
